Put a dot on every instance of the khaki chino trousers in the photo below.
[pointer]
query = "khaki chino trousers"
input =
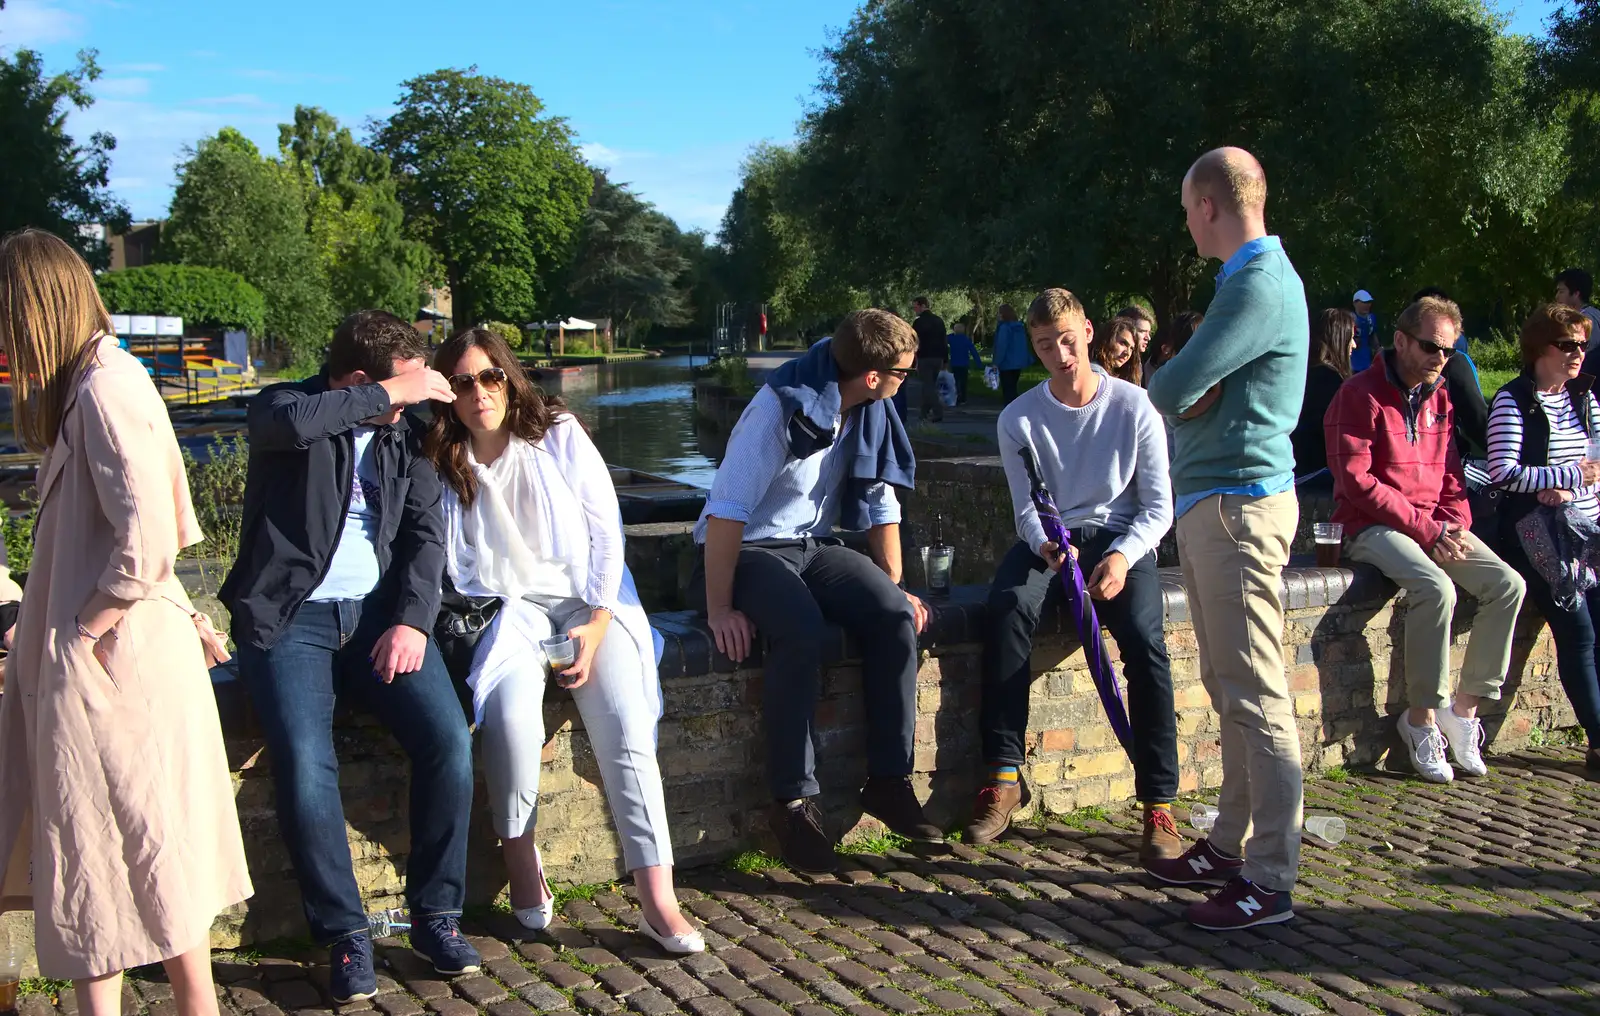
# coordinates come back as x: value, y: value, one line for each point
x: 1233, y: 550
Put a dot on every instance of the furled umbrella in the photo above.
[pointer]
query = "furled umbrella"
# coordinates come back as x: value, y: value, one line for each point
x: 1080, y: 605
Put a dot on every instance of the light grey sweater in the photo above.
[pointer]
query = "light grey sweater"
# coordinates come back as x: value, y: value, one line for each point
x: 1106, y: 464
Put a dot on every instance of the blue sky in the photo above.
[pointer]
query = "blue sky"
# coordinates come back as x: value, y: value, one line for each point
x: 668, y: 95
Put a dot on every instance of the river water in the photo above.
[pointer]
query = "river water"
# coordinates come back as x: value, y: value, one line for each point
x: 641, y: 415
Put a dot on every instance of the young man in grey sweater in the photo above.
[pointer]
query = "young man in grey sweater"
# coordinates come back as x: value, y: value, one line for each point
x: 1102, y: 450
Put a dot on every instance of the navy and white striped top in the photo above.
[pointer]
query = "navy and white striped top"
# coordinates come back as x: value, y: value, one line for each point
x: 1567, y: 448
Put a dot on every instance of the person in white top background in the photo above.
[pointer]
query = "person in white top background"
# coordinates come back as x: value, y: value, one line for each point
x: 531, y: 518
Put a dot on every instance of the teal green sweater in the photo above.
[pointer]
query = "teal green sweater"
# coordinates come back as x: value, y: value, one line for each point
x: 1255, y: 340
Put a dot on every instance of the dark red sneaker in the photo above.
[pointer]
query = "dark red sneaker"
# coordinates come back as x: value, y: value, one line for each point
x: 1241, y: 904
x: 1201, y: 864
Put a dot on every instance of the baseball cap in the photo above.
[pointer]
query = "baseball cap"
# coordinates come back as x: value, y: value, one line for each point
x: 1362, y: 296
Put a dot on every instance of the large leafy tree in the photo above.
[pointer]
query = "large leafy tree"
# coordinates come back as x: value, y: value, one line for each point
x: 50, y: 180
x: 1396, y: 141
x: 630, y: 262
x: 494, y: 186
x: 354, y: 217
x: 237, y: 210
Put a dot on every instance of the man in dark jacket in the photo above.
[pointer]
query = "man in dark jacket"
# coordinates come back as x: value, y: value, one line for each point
x: 933, y: 351
x: 334, y: 593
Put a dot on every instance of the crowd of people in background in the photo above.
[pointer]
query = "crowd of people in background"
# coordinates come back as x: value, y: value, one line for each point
x: 411, y: 565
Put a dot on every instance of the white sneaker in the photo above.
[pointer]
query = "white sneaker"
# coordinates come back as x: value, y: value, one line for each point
x: 1427, y: 751
x: 1465, y: 735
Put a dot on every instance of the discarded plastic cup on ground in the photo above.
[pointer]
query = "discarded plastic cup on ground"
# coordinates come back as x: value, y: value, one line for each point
x: 10, y: 976
x: 383, y: 923
x: 1327, y: 828
x: 1202, y: 817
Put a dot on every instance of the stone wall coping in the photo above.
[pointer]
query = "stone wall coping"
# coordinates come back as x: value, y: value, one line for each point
x: 959, y: 618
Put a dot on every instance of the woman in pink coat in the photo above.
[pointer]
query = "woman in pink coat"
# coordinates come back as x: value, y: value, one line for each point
x: 117, y: 822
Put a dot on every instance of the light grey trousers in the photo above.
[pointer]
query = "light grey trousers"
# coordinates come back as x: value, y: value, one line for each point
x: 619, y: 714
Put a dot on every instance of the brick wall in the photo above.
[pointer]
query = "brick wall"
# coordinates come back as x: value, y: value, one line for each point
x: 1342, y: 638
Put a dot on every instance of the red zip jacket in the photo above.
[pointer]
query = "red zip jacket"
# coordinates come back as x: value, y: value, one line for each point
x: 1391, y: 468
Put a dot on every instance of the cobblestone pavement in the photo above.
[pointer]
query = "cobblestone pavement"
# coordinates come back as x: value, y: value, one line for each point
x: 1478, y: 897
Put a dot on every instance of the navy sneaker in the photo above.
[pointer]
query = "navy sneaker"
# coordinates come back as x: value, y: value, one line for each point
x: 438, y: 940
x: 350, y: 976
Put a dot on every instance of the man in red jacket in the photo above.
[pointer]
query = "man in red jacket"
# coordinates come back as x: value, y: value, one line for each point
x: 1399, y: 490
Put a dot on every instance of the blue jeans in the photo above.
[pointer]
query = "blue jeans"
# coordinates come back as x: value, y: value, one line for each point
x: 1573, y: 632
x: 324, y: 653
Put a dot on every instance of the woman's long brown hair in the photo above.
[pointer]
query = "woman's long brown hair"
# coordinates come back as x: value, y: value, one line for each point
x: 1100, y: 349
x: 1331, y: 335
x: 529, y: 412
x: 50, y: 310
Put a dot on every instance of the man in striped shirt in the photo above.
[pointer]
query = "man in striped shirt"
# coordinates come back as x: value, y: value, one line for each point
x: 1399, y: 491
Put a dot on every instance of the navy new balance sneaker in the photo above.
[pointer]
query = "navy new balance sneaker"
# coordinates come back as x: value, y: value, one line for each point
x: 438, y: 940
x: 350, y: 976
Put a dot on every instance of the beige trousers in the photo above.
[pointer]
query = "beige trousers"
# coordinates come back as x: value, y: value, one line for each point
x: 1233, y: 550
x: 1431, y: 601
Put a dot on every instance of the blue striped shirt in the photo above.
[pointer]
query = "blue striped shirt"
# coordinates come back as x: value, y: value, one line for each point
x: 776, y: 495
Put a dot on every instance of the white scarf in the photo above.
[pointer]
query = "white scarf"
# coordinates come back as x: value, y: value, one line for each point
x: 510, y: 545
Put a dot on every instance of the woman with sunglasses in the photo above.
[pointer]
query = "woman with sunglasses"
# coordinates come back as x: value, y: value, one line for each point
x: 531, y: 518
x: 1540, y: 427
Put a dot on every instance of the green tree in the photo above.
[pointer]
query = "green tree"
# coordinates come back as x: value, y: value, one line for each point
x: 354, y: 217
x: 629, y: 264
x: 51, y: 181
x: 237, y: 210
x: 774, y: 250
x: 1395, y: 136
x: 207, y: 297
x: 494, y: 186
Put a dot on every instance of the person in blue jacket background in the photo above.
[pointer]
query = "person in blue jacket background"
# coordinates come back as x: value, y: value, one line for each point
x: 1012, y: 352
x: 963, y: 357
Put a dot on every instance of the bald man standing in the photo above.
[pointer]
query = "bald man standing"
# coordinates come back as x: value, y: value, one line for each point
x: 1234, y: 394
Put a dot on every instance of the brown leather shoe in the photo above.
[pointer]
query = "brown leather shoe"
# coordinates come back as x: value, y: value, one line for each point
x: 992, y: 814
x: 1161, y: 839
x: 1591, y: 761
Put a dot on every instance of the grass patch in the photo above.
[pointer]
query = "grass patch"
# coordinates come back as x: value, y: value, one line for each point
x: 48, y: 986
x: 585, y: 892
x: 1336, y: 774
x: 1558, y: 737
x: 879, y: 844
x: 1491, y: 380
x: 1082, y: 817
x: 752, y: 861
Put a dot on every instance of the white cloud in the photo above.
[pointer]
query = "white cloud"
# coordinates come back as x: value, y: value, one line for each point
x: 121, y: 88
x: 37, y: 23
x: 692, y: 185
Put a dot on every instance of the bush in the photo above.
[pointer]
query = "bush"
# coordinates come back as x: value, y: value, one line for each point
x: 1496, y: 354
x: 510, y: 332
x: 217, y: 488
x: 203, y: 297
x: 733, y: 373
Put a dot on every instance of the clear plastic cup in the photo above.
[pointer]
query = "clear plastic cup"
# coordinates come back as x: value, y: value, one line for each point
x: 10, y: 976
x: 1202, y: 817
x: 936, y: 565
x: 561, y: 651
x: 1329, y: 829
x: 1329, y: 537
x: 1591, y: 449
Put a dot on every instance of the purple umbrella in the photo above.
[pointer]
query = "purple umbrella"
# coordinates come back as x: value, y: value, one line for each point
x: 1081, y: 605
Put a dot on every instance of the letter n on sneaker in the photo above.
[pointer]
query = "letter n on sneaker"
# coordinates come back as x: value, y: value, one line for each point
x: 1241, y: 904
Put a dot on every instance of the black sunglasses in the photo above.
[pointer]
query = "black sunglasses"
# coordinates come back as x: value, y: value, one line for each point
x: 1569, y: 345
x: 900, y: 372
x: 1430, y: 347
x: 493, y: 380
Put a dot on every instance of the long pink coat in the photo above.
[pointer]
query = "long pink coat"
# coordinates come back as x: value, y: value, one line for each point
x: 135, y: 844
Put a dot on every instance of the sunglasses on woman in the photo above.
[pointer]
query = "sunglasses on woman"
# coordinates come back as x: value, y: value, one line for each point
x: 493, y: 380
x: 1569, y: 346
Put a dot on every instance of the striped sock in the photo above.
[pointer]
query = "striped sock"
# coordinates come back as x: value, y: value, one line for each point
x: 1164, y: 806
x: 1004, y: 774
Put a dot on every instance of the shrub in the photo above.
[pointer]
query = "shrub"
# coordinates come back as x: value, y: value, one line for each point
x: 510, y: 332
x: 733, y: 373
x: 203, y: 297
x: 217, y: 487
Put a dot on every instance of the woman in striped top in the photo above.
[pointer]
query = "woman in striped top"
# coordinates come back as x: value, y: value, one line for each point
x: 1539, y: 429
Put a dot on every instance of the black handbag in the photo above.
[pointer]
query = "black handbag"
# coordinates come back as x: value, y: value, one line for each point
x: 460, y: 627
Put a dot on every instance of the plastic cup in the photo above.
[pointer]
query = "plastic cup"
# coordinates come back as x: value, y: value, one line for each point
x: 561, y: 651
x: 1327, y: 828
x: 936, y: 564
x: 1329, y: 537
x: 1592, y: 449
x: 10, y: 977
x: 1203, y: 817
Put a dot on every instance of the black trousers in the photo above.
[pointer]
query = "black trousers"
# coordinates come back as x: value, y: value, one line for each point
x: 961, y: 384
x: 1023, y: 589
x: 1008, y: 385
x: 790, y: 590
